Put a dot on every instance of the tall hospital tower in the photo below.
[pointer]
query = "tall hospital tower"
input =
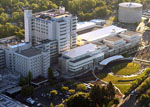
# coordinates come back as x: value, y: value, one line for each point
x: 55, y: 25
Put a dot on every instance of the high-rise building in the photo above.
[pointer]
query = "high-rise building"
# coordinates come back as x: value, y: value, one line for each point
x: 2, y: 58
x: 55, y: 24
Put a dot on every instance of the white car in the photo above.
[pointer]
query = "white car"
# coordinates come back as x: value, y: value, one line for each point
x: 39, y: 104
x: 30, y: 100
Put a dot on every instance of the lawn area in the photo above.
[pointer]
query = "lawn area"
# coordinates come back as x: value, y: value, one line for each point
x: 123, y: 83
x: 126, y: 68
x: 123, y: 87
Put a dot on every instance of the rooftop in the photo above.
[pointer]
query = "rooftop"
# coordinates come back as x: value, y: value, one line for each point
x: 98, y: 43
x: 14, y: 90
x: 30, y: 52
x: 130, y: 4
x: 87, y: 24
x: 52, y: 13
x: 101, y: 33
x: 110, y: 59
x: 17, y: 45
x: 76, y: 52
x: 97, y: 20
x: 129, y: 33
x: 80, y: 59
x: 6, y: 101
x: 114, y: 38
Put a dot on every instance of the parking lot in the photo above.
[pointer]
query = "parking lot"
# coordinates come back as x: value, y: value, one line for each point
x: 43, y: 97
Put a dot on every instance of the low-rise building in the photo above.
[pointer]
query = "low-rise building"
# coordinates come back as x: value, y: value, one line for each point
x: 81, y: 58
x: 81, y: 26
x: 98, y: 48
x: 99, y: 34
x: 6, y: 101
x: 114, y: 42
x: 32, y: 60
x: 24, y: 58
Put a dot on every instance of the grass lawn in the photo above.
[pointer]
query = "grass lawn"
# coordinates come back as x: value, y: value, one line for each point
x: 123, y: 83
x: 126, y: 68
x: 123, y: 87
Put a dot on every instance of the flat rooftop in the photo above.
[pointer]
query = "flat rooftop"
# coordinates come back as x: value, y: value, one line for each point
x: 17, y: 45
x: 97, y: 20
x: 130, y: 4
x: 82, y: 25
x: 87, y: 30
x: 99, y: 43
x: 101, y: 33
x: 51, y: 13
x: 113, y: 38
x: 130, y: 33
x: 30, y: 52
x: 76, y: 52
x: 80, y: 59
x: 6, y: 101
x: 14, y: 90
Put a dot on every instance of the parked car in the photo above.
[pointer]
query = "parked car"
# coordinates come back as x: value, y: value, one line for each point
x: 132, y: 92
x: 30, y: 100
x: 39, y: 105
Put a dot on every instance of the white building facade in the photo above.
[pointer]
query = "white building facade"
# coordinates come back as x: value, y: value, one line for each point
x: 23, y: 58
x: 80, y: 59
x: 85, y: 57
x: 2, y: 58
x: 52, y: 24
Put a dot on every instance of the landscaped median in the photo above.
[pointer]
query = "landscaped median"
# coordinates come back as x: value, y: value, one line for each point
x: 125, y: 84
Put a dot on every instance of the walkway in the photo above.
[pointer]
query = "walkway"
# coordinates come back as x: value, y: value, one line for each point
x: 141, y: 60
x: 132, y: 75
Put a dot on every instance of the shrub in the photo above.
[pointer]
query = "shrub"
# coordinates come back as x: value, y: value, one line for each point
x: 75, y: 84
x: 148, y: 92
x: 53, y: 92
x: 116, y: 101
x: 68, y: 82
x: 71, y: 91
x: 60, y: 105
x: 144, y: 98
x: 64, y: 88
x: 27, y: 91
x: 81, y: 87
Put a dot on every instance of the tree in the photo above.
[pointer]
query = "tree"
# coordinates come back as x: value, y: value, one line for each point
x: 60, y: 105
x: 144, y: 98
x: 102, y: 95
x: 27, y: 91
x: 50, y: 73
x: 53, y: 93
x: 81, y: 87
x: 20, y: 34
x: 15, y: 16
x: 110, y: 91
x: 80, y: 99
x: 51, y: 105
x: 3, y: 18
x: 71, y: 91
x: 96, y: 95
x: 22, y: 81
x: 64, y: 88
x: 29, y: 77
x: 1, y: 10
x: 116, y: 101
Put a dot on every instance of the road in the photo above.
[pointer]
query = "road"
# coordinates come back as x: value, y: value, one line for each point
x: 129, y: 101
